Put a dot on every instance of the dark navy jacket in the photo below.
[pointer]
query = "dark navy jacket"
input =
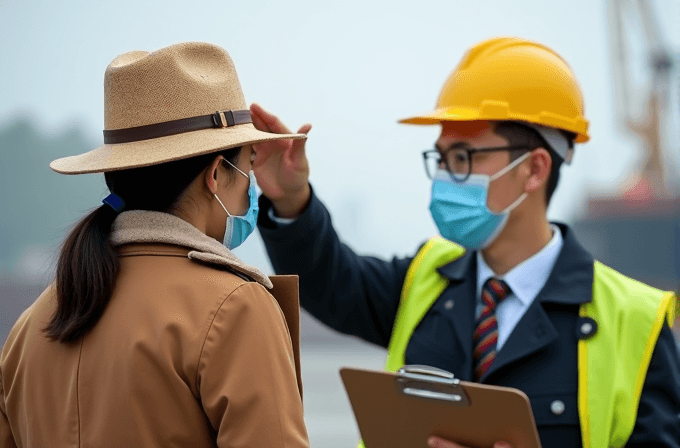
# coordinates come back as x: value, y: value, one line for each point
x: 359, y: 295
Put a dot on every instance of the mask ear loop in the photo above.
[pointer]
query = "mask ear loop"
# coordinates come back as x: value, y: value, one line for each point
x: 225, y: 208
x: 512, y: 206
x: 237, y: 169
x: 514, y: 163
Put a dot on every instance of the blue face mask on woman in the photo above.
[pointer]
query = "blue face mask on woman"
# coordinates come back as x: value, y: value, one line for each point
x: 459, y: 208
x: 240, y: 227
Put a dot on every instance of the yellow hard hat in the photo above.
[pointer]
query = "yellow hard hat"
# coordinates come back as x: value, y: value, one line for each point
x: 511, y: 79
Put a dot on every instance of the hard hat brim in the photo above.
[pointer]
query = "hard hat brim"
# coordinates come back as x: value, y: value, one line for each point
x: 460, y: 114
x: 438, y: 115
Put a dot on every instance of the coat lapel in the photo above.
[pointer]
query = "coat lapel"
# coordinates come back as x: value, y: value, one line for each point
x: 462, y: 274
x: 532, y: 333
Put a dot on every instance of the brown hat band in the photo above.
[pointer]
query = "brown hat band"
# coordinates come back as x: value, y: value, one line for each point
x: 217, y: 120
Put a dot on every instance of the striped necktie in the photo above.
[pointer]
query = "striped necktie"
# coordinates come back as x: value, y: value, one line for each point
x: 485, y: 336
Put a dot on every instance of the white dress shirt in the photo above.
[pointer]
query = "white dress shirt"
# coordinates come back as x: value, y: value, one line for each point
x: 525, y: 281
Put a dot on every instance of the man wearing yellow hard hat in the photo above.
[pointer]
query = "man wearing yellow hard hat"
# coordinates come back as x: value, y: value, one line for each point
x: 504, y: 297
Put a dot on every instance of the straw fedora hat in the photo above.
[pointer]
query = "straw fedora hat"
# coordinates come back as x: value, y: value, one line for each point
x: 178, y: 102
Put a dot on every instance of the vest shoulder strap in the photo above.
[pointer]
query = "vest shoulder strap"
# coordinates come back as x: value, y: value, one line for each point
x: 422, y: 287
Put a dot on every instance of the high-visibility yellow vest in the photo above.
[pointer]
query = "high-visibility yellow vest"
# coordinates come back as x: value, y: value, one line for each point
x: 612, y: 364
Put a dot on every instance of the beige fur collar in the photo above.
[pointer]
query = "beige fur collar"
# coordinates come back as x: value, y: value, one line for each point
x: 140, y: 226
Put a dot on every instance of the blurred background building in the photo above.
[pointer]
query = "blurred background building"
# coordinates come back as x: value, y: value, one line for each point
x: 637, y: 230
x: 351, y: 69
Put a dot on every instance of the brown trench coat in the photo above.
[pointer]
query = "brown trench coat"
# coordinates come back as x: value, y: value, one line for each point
x: 186, y: 354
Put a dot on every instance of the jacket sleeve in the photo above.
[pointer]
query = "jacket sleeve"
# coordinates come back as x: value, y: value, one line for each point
x: 353, y: 294
x: 6, y: 437
x: 658, y: 419
x: 246, y: 374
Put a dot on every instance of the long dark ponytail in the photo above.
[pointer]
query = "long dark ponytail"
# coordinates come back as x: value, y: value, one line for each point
x: 88, y: 262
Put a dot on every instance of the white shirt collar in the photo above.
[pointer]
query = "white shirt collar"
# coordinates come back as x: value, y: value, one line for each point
x: 527, y: 278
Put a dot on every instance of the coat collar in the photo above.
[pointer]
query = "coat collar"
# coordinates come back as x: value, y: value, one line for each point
x: 141, y: 226
x: 570, y: 282
x: 460, y: 269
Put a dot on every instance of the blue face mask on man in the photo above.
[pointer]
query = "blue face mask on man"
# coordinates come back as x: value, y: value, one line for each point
x: 240, y: 227
x: 459, y: 208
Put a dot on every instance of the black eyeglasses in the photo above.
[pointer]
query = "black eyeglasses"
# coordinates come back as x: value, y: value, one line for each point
x: 458, y: 161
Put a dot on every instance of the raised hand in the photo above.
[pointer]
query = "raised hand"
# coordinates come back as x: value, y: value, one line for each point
x: 281, y: 166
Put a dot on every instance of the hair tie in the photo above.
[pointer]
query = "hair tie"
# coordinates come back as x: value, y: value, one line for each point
x: 116, y: 202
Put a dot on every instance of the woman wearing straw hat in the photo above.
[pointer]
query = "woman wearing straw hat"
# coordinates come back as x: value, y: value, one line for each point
x: 154, y: 333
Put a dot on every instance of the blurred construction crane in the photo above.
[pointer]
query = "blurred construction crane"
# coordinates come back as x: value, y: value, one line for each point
x: 624, y: 15
x: 638, y: 231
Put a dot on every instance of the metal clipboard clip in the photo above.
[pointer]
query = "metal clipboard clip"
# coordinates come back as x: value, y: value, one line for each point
x: 431, y: 383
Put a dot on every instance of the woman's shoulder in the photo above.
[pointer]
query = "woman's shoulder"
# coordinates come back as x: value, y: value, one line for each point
x: 185, y: 291
x: 252, y: 297
x: 28, y: 327
x: 248, y: 320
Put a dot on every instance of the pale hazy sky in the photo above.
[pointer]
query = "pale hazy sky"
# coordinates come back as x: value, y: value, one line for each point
x: 351, y: 68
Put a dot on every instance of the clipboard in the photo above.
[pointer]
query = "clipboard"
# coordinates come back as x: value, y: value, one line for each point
x: 285, y: 292
x: 403, y: 409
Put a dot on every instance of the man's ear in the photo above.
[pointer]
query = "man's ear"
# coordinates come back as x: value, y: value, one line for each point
x: 211, y: 174
x: 539, y: 170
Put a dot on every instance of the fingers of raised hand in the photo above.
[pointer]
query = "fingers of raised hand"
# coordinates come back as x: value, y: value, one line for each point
x: 299, y: 145
x: 258, y: 122
x: 304, y: 129
x: 264, y: 121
